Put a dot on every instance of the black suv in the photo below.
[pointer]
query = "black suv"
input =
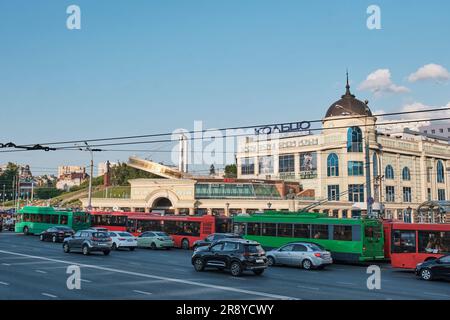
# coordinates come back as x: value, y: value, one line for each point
x: 213, y: 238
x: 236, y: 255
x: 434, y: 269
x: 88, y: 241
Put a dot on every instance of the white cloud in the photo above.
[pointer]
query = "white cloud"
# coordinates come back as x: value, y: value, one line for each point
x: 430, y: 72
x: 379, y: 82
x: 424, y: 117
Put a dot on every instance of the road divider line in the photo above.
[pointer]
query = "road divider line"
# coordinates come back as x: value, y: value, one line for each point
x: 49, y: 295
x: 40, y: 271
x: 4, y: 283
x: 308, y: 288
x: 151, y: 276
x: 6, y: 264
x: 142, y: 292
x: 346, y: 283
x: 85, y: 280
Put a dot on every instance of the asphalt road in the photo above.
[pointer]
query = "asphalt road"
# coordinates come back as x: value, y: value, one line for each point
x: 30, y: 269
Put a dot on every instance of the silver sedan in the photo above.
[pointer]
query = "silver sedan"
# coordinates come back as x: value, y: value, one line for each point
x: 302, y: 254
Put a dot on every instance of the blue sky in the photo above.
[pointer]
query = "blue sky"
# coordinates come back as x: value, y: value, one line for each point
x: 152, y: 66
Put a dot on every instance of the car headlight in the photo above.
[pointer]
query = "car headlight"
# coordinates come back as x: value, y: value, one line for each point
x: 419, y: 264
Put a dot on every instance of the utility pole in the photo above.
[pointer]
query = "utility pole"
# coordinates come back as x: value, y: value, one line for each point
x: 369, y: 199
x: 91, y: 151
x: 3, y: 197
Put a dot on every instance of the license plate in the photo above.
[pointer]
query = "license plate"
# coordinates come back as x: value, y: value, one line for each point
x: 130, y: 240
x: 259, y: 260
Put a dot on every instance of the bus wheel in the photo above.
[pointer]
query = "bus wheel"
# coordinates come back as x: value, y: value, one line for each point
x: 306, y: 264
x: 26, y: 231
x: 426, y: 274
x: 185, y: 244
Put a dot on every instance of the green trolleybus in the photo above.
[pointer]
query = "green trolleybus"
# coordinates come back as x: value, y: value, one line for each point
x: 34, y: 220
x: 348, y: 240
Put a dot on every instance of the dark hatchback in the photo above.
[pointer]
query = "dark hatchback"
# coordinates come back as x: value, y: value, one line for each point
x: 434, y: 269
x: 235, y: 255
x: 213, y: 238
x: 56, y: 234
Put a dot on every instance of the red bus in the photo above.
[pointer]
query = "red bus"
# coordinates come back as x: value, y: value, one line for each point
x: 185, y: 230
x: 408, y: 244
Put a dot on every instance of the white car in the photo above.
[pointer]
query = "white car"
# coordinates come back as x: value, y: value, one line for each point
x: 122, y: 239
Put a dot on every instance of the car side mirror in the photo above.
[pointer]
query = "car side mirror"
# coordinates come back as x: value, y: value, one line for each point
x: 438, y: 261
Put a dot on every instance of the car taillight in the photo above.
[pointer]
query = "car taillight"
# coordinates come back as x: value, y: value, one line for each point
x: 109, y: 239
x: 364, y: 248
x: 318, y: 255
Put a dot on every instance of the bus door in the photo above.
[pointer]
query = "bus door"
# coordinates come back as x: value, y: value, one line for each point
x: 371, y: 242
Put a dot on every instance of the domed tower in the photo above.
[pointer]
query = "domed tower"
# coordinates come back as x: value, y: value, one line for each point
x: 347, y: 126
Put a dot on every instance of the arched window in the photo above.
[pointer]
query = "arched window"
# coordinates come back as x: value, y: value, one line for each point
x: 354, y: 139
x: 440, y: 172
x: 375, y: 164
x: 406, y: 174
x: 333, y: 165
x: 389, y: 174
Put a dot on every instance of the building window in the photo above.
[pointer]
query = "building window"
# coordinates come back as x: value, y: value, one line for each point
x: 441, y: 194
x: 375, y: 165
x: 429, y: 174
x: 440, y: 172
x: 406, y: 174
x: 389, y: 174
x: 356, y: 192
x: 433, y: 131
x: 407, y: 194
x: 354, y: 139
x: 429, y: 194
x: 448, y: 129
x: 426, y: 131
x: 333, y: 165
x: 265, y: 164
x: 286, y: 163
x: 248, y: 166
x: 390, y: 194
x: 355, y: 168
x: 441, y: 130
x: 333, y: 193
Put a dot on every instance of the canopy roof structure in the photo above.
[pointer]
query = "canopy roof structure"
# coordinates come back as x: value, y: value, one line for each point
x: 434, y: 211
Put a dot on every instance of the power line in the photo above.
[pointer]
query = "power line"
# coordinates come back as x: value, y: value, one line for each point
x: 31, y: 146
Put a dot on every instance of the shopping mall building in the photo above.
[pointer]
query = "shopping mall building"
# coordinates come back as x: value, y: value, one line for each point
x: 296, y: 167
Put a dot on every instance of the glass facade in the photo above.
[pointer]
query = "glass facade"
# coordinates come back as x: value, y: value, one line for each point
x: 236, y: 190
x: 356, y: 192
x: 286, y: 163
x: 406, y: 174
x: 389, y: 172
x: 355, y: 168
x: 440, y: 172
x: 407, y: 194
x: 248, y: 166
x: 354, y: 140
x: 333, y: 193
x: 333, y: 165
x: 390, y: 194
x: 441, y: 194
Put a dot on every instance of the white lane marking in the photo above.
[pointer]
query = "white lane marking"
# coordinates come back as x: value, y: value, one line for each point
x: 436, y: 294
x: 308, y: 288
x: 40, y: 271
x: 142, y: 292
x: 85, y: 280
x: 49, y: 295
x: 6, y: 264
x: 144, y: 275
x: 346, y: 283
x: 4, y: 283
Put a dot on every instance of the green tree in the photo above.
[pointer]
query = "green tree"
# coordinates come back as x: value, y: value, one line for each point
x: 7, y: 178
x: 230, y: 171
x: 121, y: 173
x: 47, y: 193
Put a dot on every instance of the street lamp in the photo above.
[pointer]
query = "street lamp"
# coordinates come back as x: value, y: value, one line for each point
x: 269, y: 205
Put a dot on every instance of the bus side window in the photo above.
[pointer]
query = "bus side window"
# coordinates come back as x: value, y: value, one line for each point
x: 403, y: 241
x: 63, y: 219
x: 356, y: 233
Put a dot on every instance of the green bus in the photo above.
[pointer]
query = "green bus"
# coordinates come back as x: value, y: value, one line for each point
x: 34, y: 220
x: 348, y: 240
